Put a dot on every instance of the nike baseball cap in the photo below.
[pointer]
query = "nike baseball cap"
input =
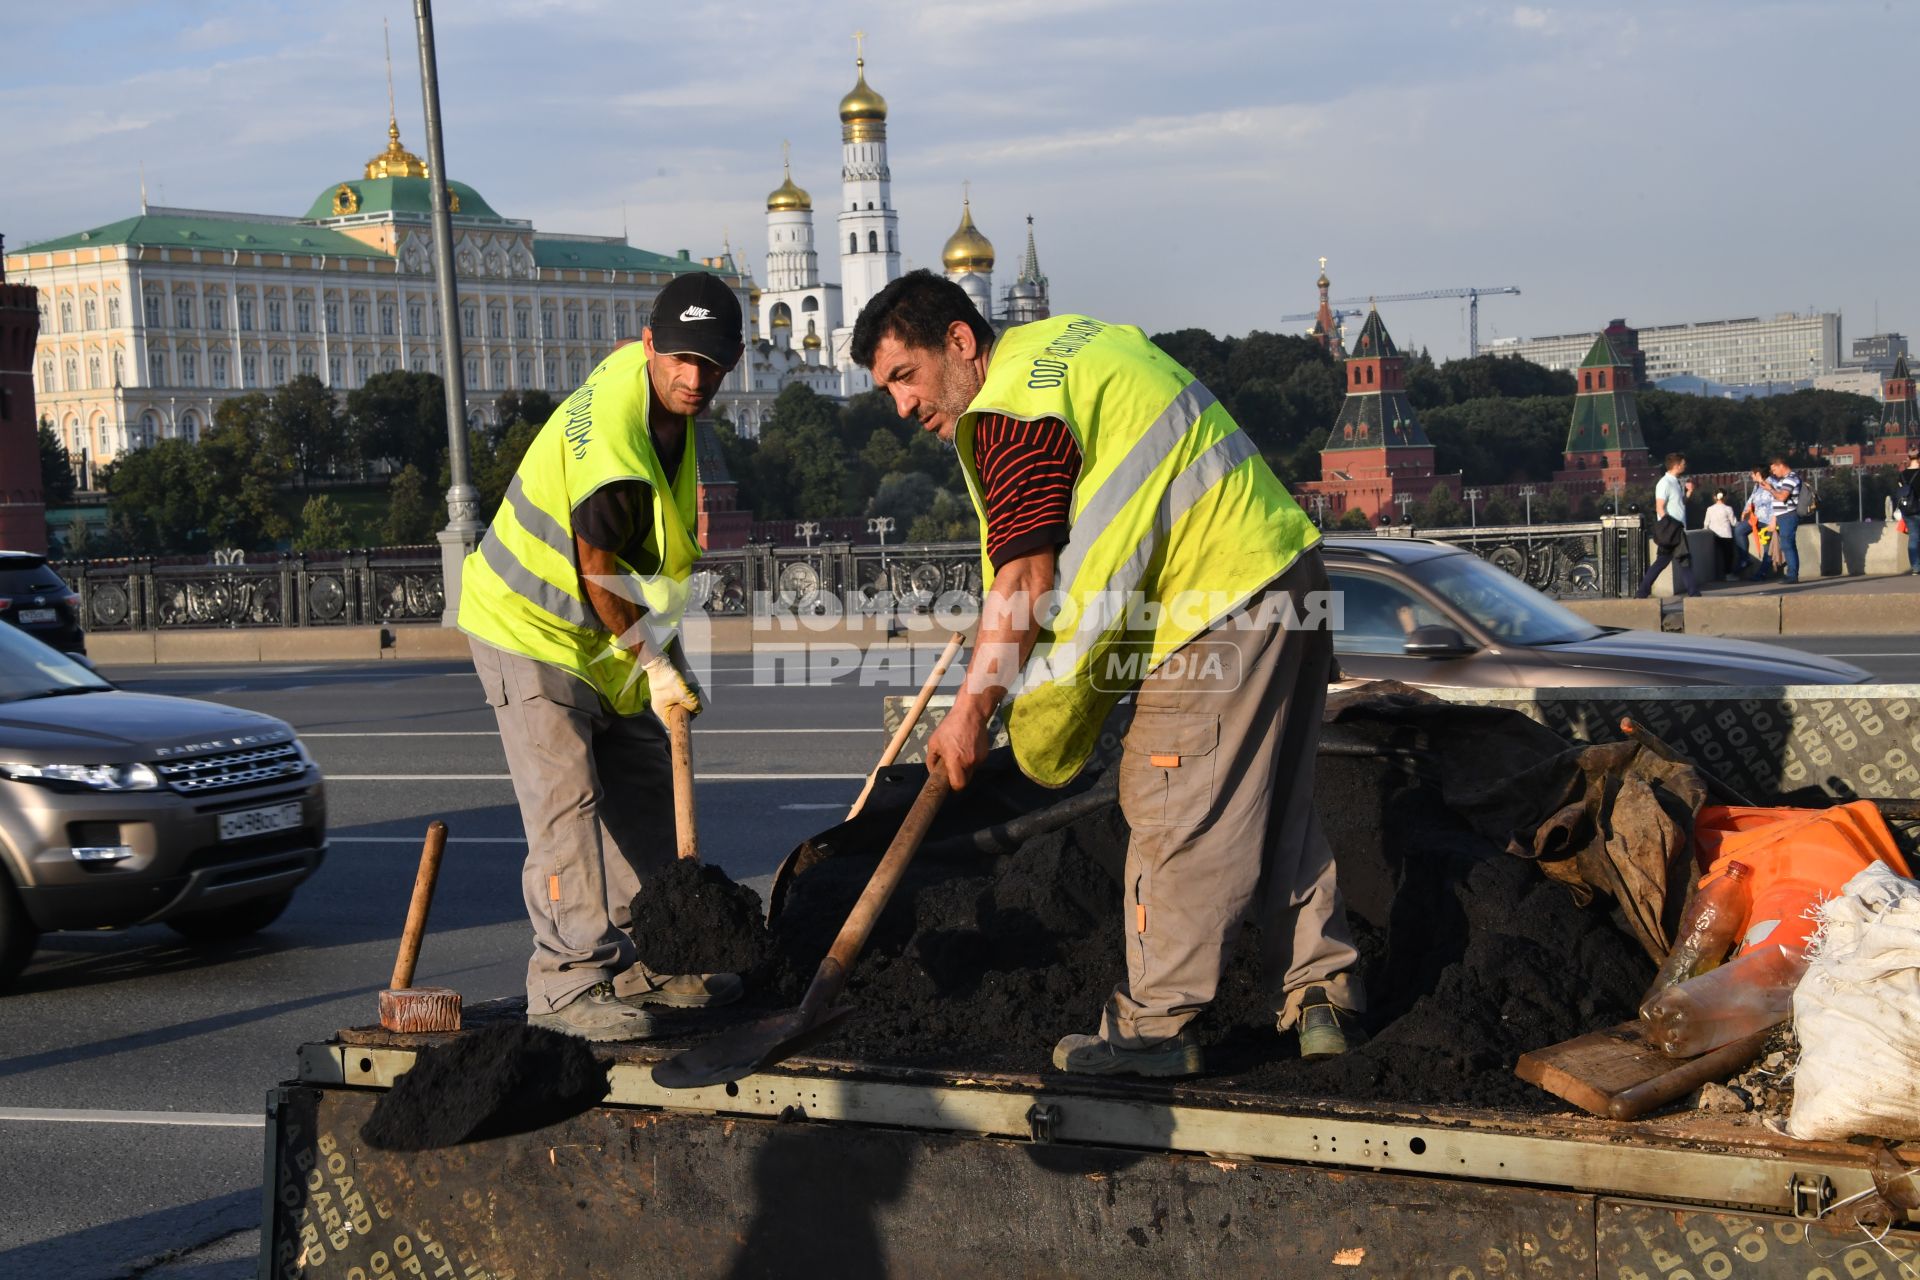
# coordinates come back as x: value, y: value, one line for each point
x: 697, y: 315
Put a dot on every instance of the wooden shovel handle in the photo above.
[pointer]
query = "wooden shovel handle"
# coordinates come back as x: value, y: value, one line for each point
x: 423, y: 882
x: 900, y: 735
x: 831, y: 977
x: 680, y: 745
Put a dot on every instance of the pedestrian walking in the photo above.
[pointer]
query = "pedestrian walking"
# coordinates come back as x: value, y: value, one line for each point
x: 1792, y: 502
x: 572, y: 605
x: 1670, y: 530
x: 1906, y: 497
x: 1730, y: 559
x: 1108, y: 478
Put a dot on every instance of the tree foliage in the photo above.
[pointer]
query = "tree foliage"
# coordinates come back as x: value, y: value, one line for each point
x: 56, y: 468
x: 411, y: 511
x: 399, y: 419
x: 323, y: 526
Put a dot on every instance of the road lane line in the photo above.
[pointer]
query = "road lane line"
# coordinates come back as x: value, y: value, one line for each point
x: 193, y: 1119
x: 333, y: 839
x: 494, y: 733
x: 507, y: 777
x: 813, y: 806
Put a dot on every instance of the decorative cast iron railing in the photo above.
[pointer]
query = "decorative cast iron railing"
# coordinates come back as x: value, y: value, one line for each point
x: 404, y: 584
x: 1589, y: 560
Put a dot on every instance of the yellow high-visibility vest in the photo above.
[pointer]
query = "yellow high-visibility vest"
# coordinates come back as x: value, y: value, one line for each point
x: 521, y: 590
x: 1176, y: 521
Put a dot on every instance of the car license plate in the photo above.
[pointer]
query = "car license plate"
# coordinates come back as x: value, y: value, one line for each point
x: 37, y: 615
x: 258, y: 822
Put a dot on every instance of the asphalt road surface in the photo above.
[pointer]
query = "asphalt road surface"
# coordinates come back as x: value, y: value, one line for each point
x: 133, y: 1067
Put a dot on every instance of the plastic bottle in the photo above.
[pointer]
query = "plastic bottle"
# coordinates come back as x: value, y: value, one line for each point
x: 1745, y: 995
x: 1716, y: 918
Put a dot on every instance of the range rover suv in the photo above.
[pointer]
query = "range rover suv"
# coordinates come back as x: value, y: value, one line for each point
x: 121, y: 808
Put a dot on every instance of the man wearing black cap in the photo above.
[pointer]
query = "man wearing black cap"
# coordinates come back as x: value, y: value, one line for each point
x: 572, y: 603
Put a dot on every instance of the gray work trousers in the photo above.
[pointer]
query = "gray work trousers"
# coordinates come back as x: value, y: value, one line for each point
x: 596, y: 799
x: 1216, y: 782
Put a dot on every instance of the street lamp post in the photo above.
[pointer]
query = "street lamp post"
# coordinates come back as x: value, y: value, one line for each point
x: 1859, y: 493
x: 1473, y: 497
x: 808, y: 529
x: 1406, y: 501
x: 1319, y: 507
x: 462, y: 533
x: 1526, y: 493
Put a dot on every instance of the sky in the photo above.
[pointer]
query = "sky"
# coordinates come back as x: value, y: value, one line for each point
x: 1185, y: 165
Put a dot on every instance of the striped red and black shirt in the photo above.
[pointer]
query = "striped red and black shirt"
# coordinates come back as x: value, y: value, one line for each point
x: 1027, y: 470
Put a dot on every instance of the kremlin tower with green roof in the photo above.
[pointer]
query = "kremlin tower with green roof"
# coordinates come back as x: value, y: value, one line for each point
x: 1605, y: 448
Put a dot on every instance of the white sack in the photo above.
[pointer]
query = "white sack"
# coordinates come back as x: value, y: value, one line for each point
x: 1857, y: 1014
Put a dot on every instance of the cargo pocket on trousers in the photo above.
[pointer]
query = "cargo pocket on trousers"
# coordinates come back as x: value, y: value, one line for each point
x: 1167, y: 768
x: 493, y: 681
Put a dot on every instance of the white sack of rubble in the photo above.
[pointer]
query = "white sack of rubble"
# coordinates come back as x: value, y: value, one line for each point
x: 1857, y: 1014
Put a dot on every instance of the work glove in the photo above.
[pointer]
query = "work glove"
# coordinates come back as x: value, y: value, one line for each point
x: 669, y: 687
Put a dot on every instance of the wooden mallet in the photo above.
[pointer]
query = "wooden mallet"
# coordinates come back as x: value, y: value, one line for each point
x: 403, y: 1006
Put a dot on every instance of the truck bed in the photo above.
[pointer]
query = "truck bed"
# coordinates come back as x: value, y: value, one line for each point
x: 869, y: 1168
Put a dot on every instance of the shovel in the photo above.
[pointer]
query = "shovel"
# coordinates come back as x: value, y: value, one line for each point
x: 757, y: 1045
x: 804, y: 855
x: 680, y: 747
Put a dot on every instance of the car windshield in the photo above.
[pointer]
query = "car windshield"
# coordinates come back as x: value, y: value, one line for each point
x: 29, y: 669
x: 1506, y: 607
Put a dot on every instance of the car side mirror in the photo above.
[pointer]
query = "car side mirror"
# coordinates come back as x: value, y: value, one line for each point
x: 1438, y: 642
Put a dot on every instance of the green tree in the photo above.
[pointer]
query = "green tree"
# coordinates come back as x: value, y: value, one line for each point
x: 310, y: 427
x: 802, y: 469
x: 904, y: 495
x: 534, y: 406
x: 1441, y: 510
x: 56, y: 467
x: 323, y: 526
x: 400, y: 418
x: 245, y: 466
x: 1354, y: 519
x: 158, y: 498
x: 411, y: 513
x: 492, y: 464
x: 949, y: 519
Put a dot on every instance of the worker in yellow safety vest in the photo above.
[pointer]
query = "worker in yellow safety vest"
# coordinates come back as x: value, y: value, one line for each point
x: 1135, y: 542
x: 572, y: 604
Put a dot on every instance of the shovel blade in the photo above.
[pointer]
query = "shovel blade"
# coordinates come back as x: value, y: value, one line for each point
x: 736, y: 1054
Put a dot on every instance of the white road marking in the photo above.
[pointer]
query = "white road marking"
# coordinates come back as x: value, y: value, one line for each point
x: 813, y: 806
x: 494, y: 733
x: 411, y: 839
x: 507, y: 777
x: 194, y: 1119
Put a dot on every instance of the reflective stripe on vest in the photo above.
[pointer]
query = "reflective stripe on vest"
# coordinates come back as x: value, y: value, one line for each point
x: 1173, y: 510
x: 521, y: 589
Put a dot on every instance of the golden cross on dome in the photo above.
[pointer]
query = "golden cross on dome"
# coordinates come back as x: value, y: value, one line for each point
x: 859, y: 48
x: 966, y: 191
x: 786, y: 154
x: 1323, y: 262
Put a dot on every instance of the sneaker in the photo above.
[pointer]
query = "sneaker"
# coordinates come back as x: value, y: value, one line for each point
x: 640, y: 986
x: 1321, y: 1035
x: 1091, y: 1056
x: 596, y: 1014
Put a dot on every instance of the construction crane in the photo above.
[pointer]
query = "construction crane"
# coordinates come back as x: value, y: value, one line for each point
x: 1345, y: 307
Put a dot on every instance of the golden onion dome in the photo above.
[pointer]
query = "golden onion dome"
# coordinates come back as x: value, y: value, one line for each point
x: 966, y: 249
x: 396, y: 161
x: 781, y: 320
x: 1323, y: 282
x: 811, y: 342
x: 753, y: 292
x: 787, y: 197
x: 861, y: 102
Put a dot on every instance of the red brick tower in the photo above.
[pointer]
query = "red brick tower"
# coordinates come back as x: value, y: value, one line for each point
x: 1605, y: 449
x: 1899, y: 419
x: 1377, y: 450
x: 723, y: 525
x: 1326, y: 328
x: 23, y: 516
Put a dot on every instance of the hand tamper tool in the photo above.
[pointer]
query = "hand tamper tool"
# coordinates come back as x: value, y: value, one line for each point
x: 403, y: 1006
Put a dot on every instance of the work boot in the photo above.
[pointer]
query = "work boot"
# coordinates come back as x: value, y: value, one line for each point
x: 1321, y: 1035
x: 640, y: 986
x: 596, y: 1014
x: 1091, y: 1056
